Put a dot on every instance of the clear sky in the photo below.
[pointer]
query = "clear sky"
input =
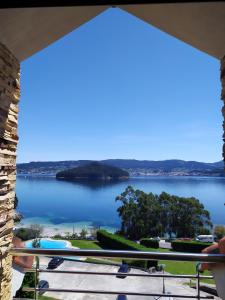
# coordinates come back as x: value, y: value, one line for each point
x: 119, y: 88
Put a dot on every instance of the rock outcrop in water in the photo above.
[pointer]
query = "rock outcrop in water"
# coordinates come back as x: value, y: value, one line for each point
x: 93, y: 171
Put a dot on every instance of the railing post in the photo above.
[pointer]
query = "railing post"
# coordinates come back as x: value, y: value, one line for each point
x: 164, y: 287
x: 36, y: 277
x: 198, y: 281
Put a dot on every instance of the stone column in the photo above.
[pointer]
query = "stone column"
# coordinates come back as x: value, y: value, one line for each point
x: 9, y: 97
x: 222, y: 77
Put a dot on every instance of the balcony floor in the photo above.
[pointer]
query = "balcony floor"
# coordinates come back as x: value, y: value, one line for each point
x: 111, y: 283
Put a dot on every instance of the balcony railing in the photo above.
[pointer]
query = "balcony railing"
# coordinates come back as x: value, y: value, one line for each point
x: 137, y: 255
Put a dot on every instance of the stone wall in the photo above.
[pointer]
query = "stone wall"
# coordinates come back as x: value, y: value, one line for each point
x: 222, y: 77
x: 9, y: 97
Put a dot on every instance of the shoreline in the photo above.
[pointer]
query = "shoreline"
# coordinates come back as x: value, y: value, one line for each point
x: 131, y: 176
x: 63, y: 229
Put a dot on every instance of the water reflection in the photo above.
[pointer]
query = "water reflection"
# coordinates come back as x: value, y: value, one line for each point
x: 58, y: 201
x: 95, y: 184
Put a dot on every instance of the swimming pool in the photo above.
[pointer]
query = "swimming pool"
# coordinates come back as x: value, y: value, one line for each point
x: 54, y: 244
x: 49, y: 244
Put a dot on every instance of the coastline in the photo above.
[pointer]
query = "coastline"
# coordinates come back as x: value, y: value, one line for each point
x: 50, y: 230
x: 172, y: 174
x: 63, y: 229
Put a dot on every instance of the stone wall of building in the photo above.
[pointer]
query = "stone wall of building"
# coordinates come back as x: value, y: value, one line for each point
x: 222, y: 77
x: 9, y: 97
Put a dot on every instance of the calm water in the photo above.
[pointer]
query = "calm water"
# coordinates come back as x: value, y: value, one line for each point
x: 49, y: 244
x: 46, y: 200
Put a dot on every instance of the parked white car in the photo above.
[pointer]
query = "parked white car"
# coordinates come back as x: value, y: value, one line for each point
x: 205, y: 238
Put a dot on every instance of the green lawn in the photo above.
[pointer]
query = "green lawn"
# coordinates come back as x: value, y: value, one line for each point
x: 184, y: 267
x: 83, y: 244
x: 103, y: 261
x: 46, y: 298
x: 178, y: 267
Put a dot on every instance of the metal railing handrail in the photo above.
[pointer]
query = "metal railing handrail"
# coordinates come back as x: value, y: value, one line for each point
x: 137, y: 255
x: 121, y: 274
x: 102, y: 292
x: 140, y: 255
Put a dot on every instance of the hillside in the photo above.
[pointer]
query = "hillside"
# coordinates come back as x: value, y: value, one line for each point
x: 93, y: 171
x: 134, y: 167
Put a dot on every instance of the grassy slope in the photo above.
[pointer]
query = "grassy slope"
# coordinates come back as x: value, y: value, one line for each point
x: 82, y: 244
x: 92, y: 245
x: 178, y: 267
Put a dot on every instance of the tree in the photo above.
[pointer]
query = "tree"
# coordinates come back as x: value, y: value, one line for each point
x: 219, y: 231
x: 74, y: 236
x: 149, y: 215
x: 29, y: 233
x: 37, y: 229
x: 67, y: 234
x: 93, y: 232
x: 83, y: 234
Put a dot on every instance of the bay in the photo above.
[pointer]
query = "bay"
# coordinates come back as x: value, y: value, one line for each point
x: 45, y: 200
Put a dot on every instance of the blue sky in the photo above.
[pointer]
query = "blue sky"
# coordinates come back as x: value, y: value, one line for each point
x: 119, y: 88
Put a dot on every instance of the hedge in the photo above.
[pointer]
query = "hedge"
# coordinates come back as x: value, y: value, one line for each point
x: 117, y: 242
x: 151, y: 243
x: 186, y: 246
x: 145, y: 264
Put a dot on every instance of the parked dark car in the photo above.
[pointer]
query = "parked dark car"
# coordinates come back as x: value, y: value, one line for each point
x: 55, y: 262
x: 43, y: 284
x: 121, y: 297
x: 124, y: 268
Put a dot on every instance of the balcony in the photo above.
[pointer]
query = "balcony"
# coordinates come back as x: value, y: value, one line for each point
x: 153, y: 285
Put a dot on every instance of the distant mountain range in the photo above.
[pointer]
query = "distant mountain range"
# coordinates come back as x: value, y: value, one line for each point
x: 172, y: 167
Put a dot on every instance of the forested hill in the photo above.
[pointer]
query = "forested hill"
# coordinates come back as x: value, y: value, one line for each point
x: 170, y: 167
x: 93, y: 171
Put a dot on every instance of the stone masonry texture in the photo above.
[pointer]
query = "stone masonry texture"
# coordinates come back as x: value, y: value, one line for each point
x: 222, y: 77
x: 9, y: 97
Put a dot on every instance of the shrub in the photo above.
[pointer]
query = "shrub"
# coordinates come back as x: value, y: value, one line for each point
x: 136, y: 263
x: 113, y: 241
x: 28, y: 281
x: 192, y: 246
x: 145, y: 264
x: 219, y: 231
x: 25, y: 234
x: 117, y: 242
x: 58, y: 237
x: 151, y: 243
x: 29, y: 233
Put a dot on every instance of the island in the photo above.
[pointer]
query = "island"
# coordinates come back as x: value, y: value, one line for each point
x: 93, y: 171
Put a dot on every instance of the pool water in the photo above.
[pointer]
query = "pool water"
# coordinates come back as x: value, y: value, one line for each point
x: 49, y: 244
x: 53, y: 244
